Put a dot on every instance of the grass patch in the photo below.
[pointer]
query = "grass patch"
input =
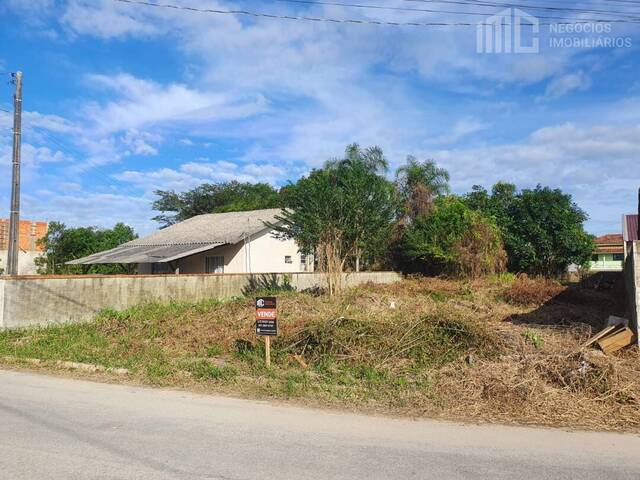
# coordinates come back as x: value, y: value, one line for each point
x: 424, y: 346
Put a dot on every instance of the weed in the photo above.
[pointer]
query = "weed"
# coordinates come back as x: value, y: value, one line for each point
x: 214, y: 350
x: 534, y: 338
x: 438, y: 296
x: 202, y: 369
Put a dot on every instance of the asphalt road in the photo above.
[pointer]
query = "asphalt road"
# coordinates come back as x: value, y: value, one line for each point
x: 56, y: 428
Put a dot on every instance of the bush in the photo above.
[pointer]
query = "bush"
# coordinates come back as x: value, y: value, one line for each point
x: 456, y: 240
x: 428, y: 340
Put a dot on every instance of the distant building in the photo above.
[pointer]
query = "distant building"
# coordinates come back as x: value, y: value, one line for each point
x: 30, y: 233
x: 234, y: 242
x: 629, y: 231
x: 609, y: 253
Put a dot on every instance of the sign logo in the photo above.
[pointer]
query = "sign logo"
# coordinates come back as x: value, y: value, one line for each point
x: 503, y: 33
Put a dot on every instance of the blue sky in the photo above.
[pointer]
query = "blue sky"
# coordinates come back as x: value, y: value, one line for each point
x: 121, y: 99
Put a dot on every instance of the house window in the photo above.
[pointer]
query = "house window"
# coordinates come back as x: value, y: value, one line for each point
x: 618, y: 257
x: 303, y: 259
x: 288, y: 259
x: 214, y: 264
x: 160, y: 268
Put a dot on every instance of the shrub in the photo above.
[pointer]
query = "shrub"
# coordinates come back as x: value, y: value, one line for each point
x: 456, y: 240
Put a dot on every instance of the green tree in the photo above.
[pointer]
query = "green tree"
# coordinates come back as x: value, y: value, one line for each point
x: 362, y: 179
x: 542, y: 228
x: 62, y: 244
x: 343, y: 212
x: 418, y: 184
x: 214, y: 198
x: 454, y: 239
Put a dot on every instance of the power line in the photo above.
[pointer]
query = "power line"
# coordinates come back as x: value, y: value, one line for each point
x: 427, y: 10
x: 326, y: 19
x: 630, y: 2
x: 483, y: 3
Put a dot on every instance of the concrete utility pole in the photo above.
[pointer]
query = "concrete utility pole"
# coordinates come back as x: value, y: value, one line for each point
x: 14, y: 221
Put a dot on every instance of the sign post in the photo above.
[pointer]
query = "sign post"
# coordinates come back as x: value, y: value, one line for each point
x: 266, y: 323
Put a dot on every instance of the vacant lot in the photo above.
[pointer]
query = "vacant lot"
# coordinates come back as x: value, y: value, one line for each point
x: 504, y: 349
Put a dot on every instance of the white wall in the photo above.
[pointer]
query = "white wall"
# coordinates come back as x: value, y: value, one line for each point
x: 267, y: 254
x: 264, y: 254
x: 47, y: 300
x: 26, y: 262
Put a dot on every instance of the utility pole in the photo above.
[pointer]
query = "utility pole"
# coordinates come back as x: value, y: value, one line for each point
x: 14, y: 220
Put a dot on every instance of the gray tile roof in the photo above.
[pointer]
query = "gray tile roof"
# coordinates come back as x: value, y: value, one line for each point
x: 211, y: 228
x: 194, y: 235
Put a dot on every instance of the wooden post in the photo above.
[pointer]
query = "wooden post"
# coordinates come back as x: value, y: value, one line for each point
x: 267, y: 351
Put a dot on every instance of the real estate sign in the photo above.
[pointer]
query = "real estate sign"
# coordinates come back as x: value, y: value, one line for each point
x: 266, y: 316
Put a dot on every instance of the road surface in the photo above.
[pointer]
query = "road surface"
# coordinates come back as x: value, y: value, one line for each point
x: 58, y: 428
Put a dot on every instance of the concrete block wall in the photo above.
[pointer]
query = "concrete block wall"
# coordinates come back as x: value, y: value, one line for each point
x: 32, y: 301
x: 632, y: 286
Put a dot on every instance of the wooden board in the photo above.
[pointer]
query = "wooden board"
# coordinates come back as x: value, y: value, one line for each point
x: 616, y: 341
x: 602, y: 333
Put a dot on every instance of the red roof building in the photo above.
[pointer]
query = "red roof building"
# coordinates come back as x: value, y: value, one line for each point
x: 30, y: 233
x: 610, y: 243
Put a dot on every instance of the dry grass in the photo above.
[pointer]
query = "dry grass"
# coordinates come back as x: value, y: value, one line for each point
x: 526, y: 291
x: 500, y: 349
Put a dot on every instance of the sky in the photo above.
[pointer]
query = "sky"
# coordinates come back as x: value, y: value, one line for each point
x: 122, y: 99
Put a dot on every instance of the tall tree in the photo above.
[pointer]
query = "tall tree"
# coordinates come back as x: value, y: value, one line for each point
x: 418, y: 184
x: 341, y: 212
x: 358, y: 169
x: 62, y: 244
x: 214, y: 198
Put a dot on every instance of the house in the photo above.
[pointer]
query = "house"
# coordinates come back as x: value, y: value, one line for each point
x: 629, y: 231
x: 29, y: 250
x: 234, y: 242
x: 609, y: 253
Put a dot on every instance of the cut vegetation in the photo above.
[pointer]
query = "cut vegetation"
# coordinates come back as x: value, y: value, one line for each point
x: 506, y: 349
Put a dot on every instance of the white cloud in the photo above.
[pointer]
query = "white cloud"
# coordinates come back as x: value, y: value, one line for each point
x: 191, y: 174
x: 564, y: 84
x: 141, y: 103
x: 139, y: 143
x: 106, y: 19
x: 461, y: 129
x: 81, y: 208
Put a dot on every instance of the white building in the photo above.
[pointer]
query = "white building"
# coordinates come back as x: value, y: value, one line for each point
x: 234, y: 242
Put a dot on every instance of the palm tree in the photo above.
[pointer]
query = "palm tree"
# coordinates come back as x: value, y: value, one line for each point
x: 371, y: 157
x: 418, y: 184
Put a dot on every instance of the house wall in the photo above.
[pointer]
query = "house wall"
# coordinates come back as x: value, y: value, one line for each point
x: 40, y: 300
x: 606, y: 262
x: 266, y: 254
x: 632, y: 285
x: 26, y: 262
